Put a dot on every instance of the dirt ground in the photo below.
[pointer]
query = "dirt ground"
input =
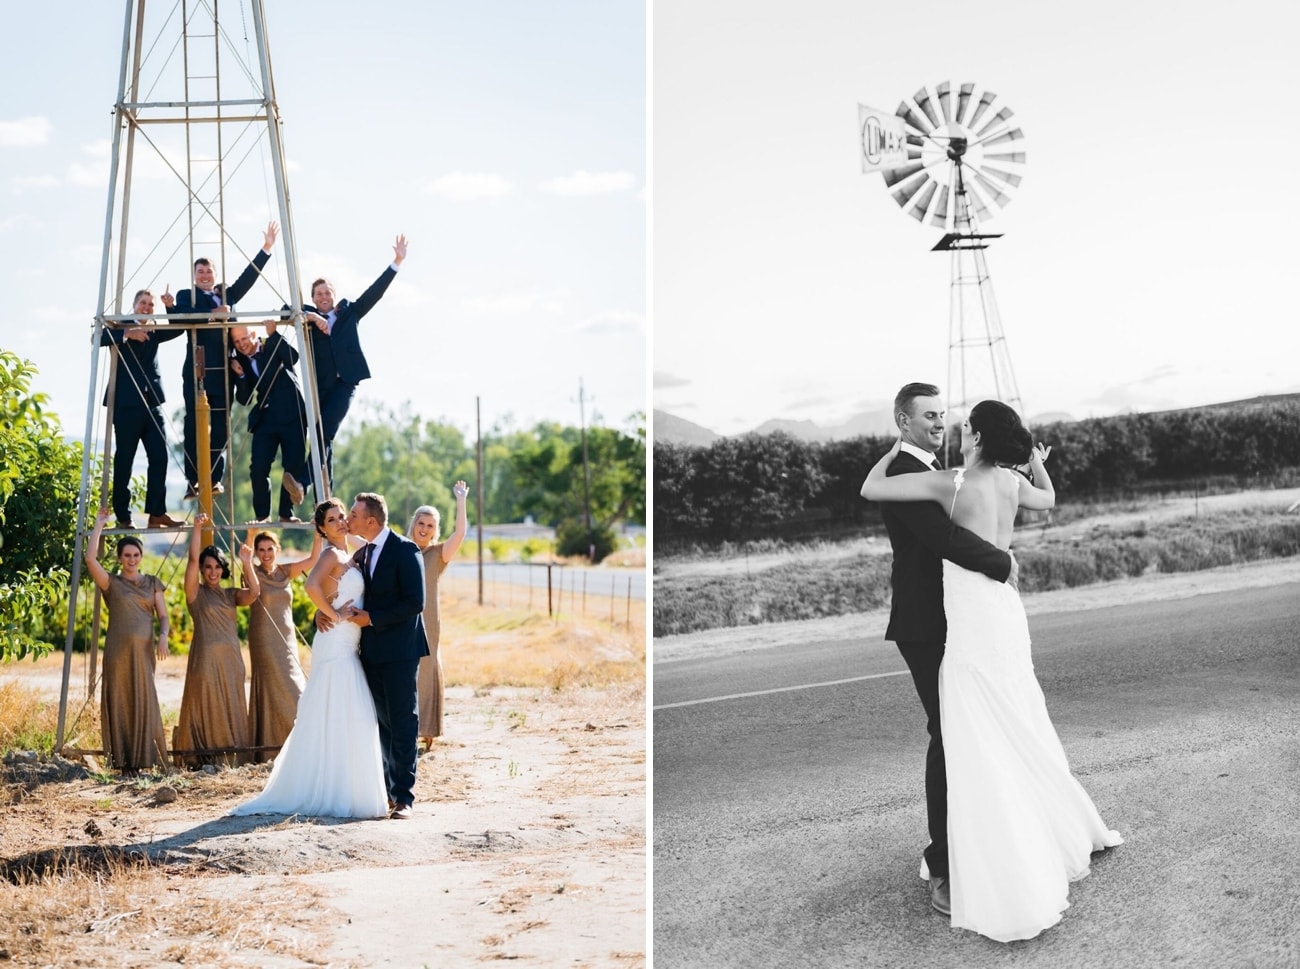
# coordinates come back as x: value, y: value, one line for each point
x: 528, y: 844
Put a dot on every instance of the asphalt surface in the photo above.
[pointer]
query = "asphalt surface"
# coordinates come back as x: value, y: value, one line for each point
x: 788, y: 825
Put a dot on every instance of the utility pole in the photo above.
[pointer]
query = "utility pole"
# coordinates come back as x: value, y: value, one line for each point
x: 586, y: 472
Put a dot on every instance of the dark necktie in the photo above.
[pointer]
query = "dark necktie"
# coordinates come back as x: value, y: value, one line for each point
x: 936, y: 463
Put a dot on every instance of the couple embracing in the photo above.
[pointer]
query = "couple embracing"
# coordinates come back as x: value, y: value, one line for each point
x: 352, y: 750
x: 1009, y: 825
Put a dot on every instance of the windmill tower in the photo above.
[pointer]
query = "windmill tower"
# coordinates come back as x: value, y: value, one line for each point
x: 197, y: 169
x: 951, y: 157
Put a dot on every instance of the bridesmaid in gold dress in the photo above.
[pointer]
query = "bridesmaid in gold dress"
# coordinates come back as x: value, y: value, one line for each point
x: 128, y: 706
x: 426, y: 523
x: 278, y: 679
x: 214, y: 714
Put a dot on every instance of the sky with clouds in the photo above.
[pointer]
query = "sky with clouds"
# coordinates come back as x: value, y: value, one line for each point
x: 506, y: 140
x: 1147, y: 256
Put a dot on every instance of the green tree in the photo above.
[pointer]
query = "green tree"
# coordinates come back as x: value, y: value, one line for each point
x: 39, y: 478
x: 556, y: 489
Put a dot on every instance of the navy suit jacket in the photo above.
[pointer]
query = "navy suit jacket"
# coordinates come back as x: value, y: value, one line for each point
x: 922, y: 536
x: 337, y: 355
x: 213, y: 341
x: 279, y: 398
x: 139, y: 384
x: 395, y: 601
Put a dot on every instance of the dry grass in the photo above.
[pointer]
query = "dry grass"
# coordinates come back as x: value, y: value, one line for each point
x: 102, y: 909
x: 76, y: 888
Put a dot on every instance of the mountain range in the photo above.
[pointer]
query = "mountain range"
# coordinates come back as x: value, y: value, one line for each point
x: 880, y: 423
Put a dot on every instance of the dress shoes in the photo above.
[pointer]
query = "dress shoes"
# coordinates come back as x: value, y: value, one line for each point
x: 940, y: 895
x: 164, y: 521
x: 125, y: 523
x: 192, y: 491
x: 290, y: 484
x: 291, y: 519
x: 401, y: 812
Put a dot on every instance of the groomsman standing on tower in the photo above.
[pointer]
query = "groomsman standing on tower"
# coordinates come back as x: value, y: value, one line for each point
x: 336, y: 349
x: 209, y: 297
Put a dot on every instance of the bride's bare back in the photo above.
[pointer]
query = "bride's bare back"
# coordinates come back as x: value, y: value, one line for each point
x: 986, y: 503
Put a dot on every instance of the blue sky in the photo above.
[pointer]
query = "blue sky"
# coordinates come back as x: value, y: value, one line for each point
x: 1147, y: 258
x: 505, y: 139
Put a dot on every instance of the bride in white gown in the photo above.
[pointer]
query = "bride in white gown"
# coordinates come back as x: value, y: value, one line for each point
x: 330, y: 765
x: 1020, y: 827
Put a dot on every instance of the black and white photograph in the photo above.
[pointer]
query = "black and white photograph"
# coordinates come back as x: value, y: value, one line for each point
x: 975, y: 485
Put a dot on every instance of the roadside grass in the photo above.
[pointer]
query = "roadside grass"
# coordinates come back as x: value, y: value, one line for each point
x: 787, y: 584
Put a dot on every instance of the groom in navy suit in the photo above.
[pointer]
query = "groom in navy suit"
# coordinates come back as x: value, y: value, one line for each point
x: 392, y: 640
x: 922, y: 536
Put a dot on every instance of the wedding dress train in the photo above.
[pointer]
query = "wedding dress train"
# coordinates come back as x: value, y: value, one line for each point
x: 330, y: 765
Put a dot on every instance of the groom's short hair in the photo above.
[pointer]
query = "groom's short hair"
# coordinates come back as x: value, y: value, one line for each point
x: 376, y: 507
x: 909, y: 393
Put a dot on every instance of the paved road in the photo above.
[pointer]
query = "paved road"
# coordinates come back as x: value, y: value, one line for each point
x: 788, y: 825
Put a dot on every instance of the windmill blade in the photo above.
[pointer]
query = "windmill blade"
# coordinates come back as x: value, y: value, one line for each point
x: 996, y: 195
x: 923, y: 202
x: 986, y: 99
x: 980, y: 208
x: 1018, y: 157
x: 1005, y: 177
x: 1015, y: 134
x: 922, y: 99
x: 912, y: 118
x: 905, y: 192
x: 940, y: 215
x: 996, y: 120
x: 963, y: 99
x: 944, y: 92
x: 895, y: 175
x: 912, y: 153
x: 917, y: 140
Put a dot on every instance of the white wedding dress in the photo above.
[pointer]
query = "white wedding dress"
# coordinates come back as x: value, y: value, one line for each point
x: 330, y: 766
x: 1020, y: 827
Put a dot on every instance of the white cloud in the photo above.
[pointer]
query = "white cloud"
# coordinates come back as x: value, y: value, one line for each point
x: 589, y: 183
x: 667, y: 381
x: 25, y: 132
x: 100, y: 148
x: 552, y: 302
x: 612, y: 322
x: 23, y: 182
x: 468, y: 186
x: 92, y: 175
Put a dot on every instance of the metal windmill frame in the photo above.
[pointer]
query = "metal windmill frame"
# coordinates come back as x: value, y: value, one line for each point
x: 219, y: 130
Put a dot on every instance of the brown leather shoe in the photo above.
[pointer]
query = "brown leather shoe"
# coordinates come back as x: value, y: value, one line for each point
x: 290, y: 484
x: 164, y: 521
x: 402, y: 812
x: 940, y: 895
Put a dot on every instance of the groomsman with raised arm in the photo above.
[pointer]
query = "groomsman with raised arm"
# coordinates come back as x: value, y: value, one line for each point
x: 211, y: 298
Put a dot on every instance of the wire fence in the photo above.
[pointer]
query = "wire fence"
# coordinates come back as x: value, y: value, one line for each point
x: 555, y: 590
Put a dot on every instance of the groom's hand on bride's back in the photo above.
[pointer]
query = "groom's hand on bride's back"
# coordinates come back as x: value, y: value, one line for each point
x: 1013, y: 578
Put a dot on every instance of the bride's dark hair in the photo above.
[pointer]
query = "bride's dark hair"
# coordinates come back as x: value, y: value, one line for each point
x: 1003, y: 438
x: 322, y: 509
